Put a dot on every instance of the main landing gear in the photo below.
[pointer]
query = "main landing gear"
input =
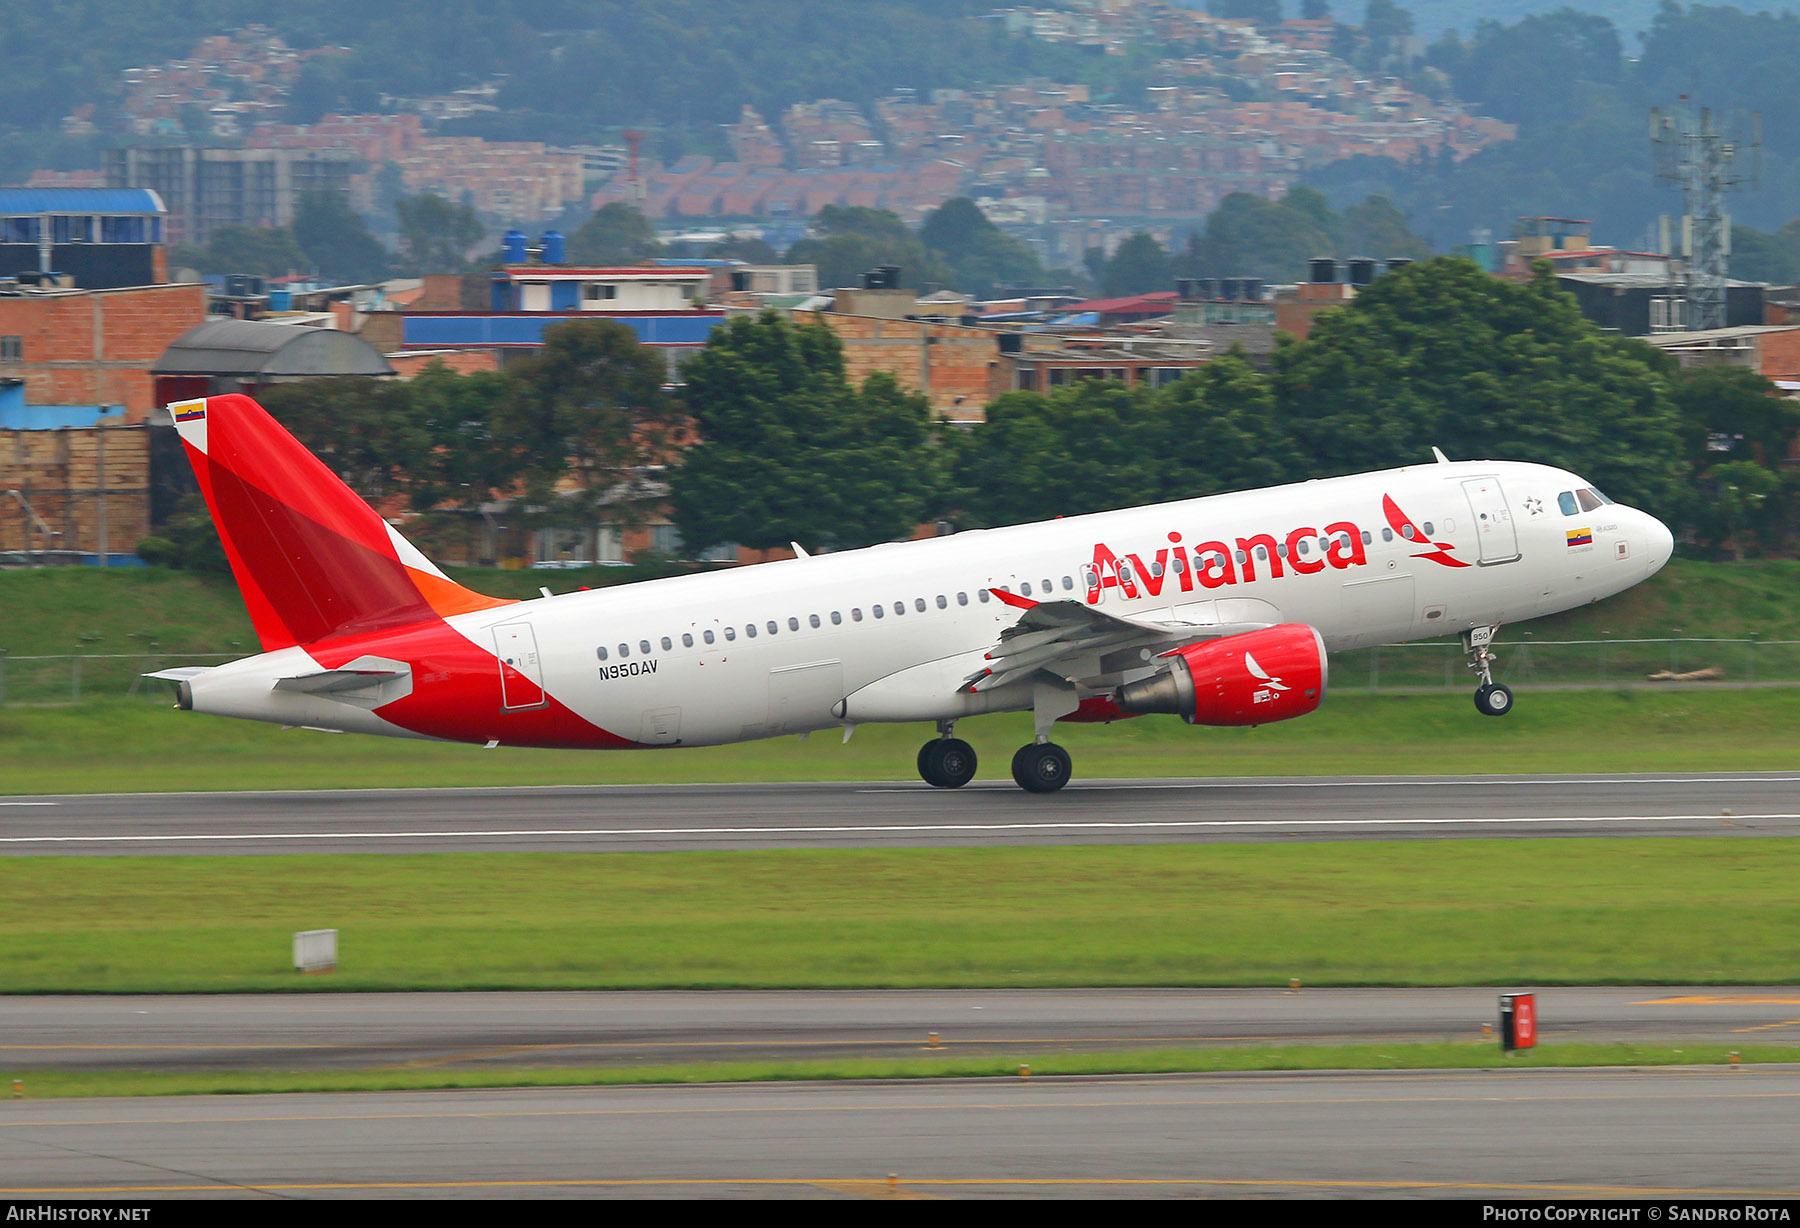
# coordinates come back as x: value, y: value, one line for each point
x: 946, y: 762
x: 1041, y: 767
x: 1491, y: 698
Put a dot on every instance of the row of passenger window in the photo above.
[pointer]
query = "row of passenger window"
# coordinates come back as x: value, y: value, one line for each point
x: 773, y: 626
x: 1048, y: 588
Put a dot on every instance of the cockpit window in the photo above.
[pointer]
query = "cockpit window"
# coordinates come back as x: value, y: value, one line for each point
x: 1566, y: 501
x: 1590, y: 502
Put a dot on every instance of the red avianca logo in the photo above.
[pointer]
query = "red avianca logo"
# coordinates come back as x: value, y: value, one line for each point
x: 1440, y: 552
x: 1216, y: 564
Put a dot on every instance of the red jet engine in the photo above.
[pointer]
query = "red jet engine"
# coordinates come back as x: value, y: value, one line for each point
x: 1274, y: 674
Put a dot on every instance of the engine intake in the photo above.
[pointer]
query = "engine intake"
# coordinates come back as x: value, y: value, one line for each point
x: 1274, y: 674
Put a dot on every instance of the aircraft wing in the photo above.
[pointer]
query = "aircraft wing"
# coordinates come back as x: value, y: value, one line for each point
x: 1070, y: 639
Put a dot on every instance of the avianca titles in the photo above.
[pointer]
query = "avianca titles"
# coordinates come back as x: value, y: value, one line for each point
x: 1220, y: 610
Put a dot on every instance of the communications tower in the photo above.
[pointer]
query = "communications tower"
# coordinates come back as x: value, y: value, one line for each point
x: 1706, y: 159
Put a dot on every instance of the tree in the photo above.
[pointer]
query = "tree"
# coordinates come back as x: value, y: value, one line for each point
x: 1249, y: 236
x: 261, y: 251
x: 789, y: 451
x: 361, y: 427
x: 1376, y: 228
x: 587, y: 408
x: 1219, y: 431
x: 1441, y: 353
x: 436, y: 235
x: 1138, y: 266
x: 1086, y: 447
x: 981, y: 257
x: 1315, y: 10
x: 615, y: 234
x: 850, y: 240
x: 336, y: 239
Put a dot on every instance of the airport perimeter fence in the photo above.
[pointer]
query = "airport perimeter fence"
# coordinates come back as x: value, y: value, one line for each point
x: 1433, y: 665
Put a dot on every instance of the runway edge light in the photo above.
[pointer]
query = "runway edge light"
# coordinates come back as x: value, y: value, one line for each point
x: 1518, y: 1021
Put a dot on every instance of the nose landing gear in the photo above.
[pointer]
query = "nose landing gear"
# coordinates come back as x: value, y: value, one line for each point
x: 1491, y: 698
x: 946, y: 762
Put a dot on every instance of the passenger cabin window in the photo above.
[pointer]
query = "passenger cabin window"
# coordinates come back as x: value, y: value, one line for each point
x: 667, y: 643
x: 981, y: 595
x: 880, y: 611
x: 1428, y: 529
x: 1387, y: 535
x: 730, y: 634
x: 813, y: 619
x: 774, y: 627
x: 793, y: 624
x: 943, y: 602
x: 624, y: 650
x: 750, y: 630
x: 687, y: 641
x: 1025, y: 589
x: 962, y: 599
x: 601, y: 652
x: 707, y: 636
x: 837, y: 620
x: 644, y: 647
x: 899, y: 607
x: 1068, y: 584
x: 919, y: 604
x: 855, y: 614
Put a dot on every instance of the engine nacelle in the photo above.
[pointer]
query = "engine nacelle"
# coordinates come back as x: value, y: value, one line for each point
x: 1274, y: 674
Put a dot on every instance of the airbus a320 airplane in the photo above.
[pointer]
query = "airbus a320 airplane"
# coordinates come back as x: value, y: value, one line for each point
x: 1219, y: 610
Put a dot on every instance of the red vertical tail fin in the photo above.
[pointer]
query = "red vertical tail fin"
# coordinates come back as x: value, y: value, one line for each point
x: 311, y: 558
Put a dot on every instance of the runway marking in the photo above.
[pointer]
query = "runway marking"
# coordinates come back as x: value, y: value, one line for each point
x: 1413, y: 782
x: 30, y: 803
x: 902, y: 829
x: 1722, y: 1000
x: 877, y: 1187
x: 1489, y: 1094
x: 910, y: 1040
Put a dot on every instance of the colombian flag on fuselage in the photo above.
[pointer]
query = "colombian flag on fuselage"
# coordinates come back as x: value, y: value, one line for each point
x: 1581, y: 537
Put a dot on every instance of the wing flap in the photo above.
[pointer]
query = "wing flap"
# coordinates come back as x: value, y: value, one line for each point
x: 1067, y: 637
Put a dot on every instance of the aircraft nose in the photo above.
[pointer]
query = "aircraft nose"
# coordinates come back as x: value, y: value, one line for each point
x: 1659, y: 544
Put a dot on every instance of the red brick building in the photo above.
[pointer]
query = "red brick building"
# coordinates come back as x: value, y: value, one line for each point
x: 94, y: 347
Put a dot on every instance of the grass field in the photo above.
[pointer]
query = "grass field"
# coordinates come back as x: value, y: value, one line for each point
x: 1464, y: 912
x: 136, y: 746
x: 1474, y: 1055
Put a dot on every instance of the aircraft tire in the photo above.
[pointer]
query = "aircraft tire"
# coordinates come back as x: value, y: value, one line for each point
x: 947, y: 763
x: 1041, y: 767
x: 1495, y: 700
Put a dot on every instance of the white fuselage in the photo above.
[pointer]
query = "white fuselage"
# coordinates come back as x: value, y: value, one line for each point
x: 674, y: 662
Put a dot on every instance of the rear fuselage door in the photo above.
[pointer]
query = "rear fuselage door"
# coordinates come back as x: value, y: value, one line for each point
x: 1493, y: 520
x: 521, y: 670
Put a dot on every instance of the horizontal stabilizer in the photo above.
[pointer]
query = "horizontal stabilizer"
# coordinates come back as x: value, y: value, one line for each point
x: 367, y: 682
x: 179, y: 673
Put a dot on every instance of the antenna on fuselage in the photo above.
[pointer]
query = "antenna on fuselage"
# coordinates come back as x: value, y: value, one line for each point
x: 1441, y: 458
x: 799, y: 551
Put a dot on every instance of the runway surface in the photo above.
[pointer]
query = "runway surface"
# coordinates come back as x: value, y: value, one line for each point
x: 644, y: 818
x: 1661, y: 1134
x: 520, y: 1030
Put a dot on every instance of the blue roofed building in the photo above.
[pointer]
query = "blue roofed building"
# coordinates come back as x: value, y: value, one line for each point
x: 90, y: 238
x: 663, y: 303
